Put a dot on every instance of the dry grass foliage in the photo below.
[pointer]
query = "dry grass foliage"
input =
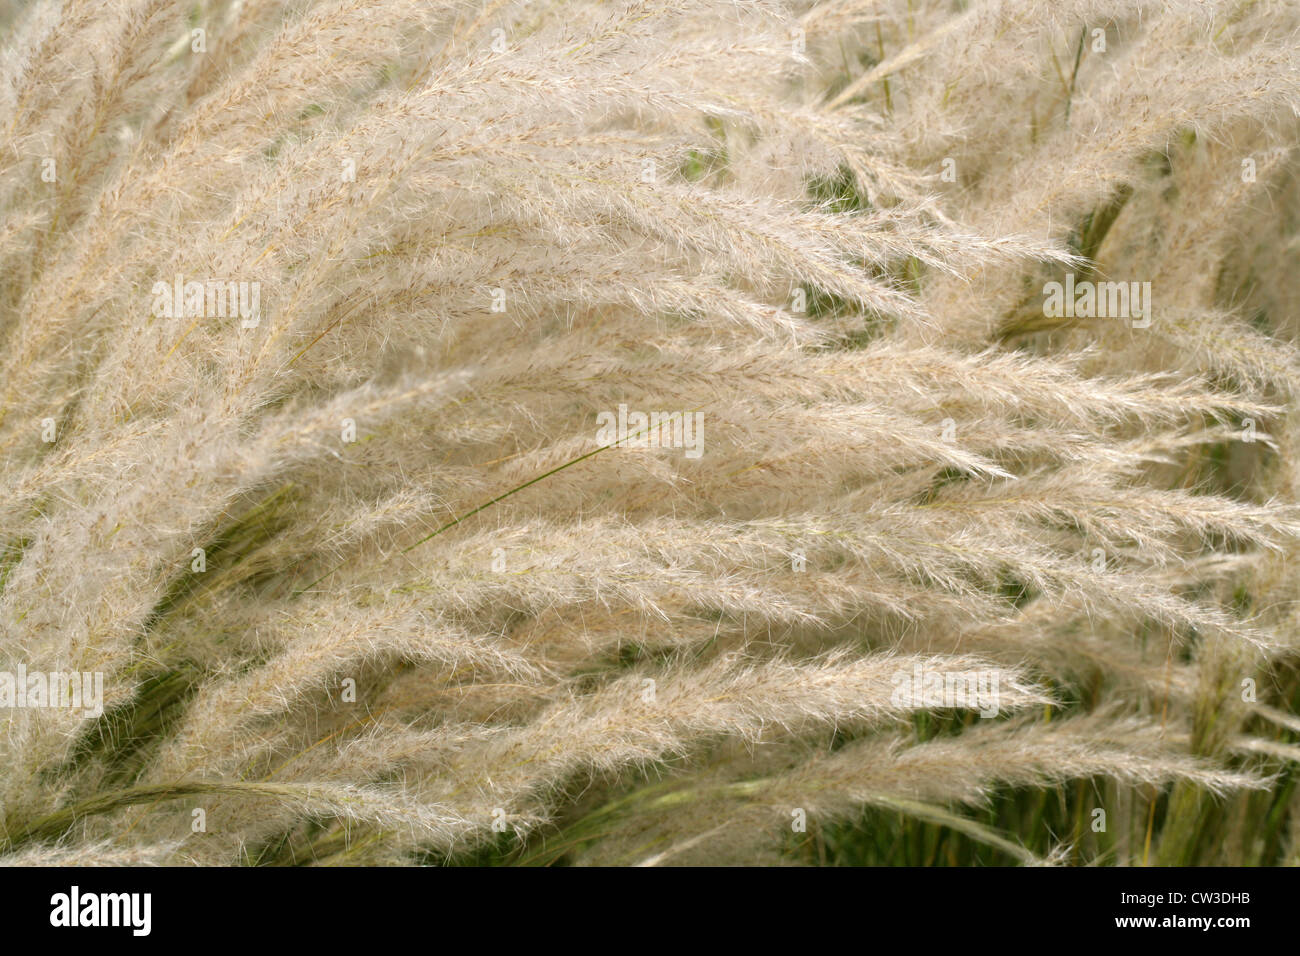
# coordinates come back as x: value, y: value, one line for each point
x: 479, y: 633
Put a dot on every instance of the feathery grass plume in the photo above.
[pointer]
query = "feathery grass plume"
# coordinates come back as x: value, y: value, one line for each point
x: 649, y: 432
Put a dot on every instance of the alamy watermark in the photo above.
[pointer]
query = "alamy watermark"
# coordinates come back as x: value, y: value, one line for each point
x: 56, y: 689
x: 1086, y: 299
x: 212, y: 299
x: 75, y: 908
x: 652, y: 430
x: 968, y: 690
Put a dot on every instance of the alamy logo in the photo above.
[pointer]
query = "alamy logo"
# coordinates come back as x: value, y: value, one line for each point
x: 212, y: 299
x: 73, y: 689
x: 103, y: 909
x: 653, y: 430
x: 1101, y: 300
x: 969, y: 690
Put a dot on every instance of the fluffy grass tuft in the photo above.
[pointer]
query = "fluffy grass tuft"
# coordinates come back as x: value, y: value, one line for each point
x: 369, y: 581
